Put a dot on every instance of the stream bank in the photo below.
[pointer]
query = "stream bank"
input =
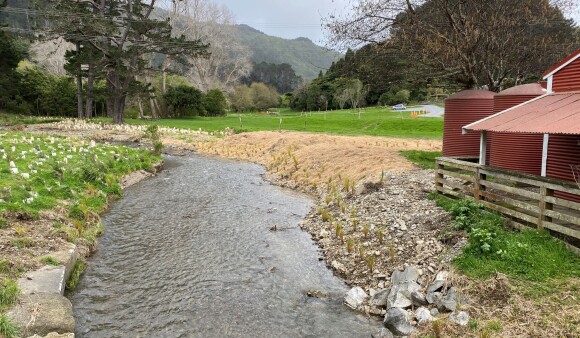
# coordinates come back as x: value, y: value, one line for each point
x: 195, y: 247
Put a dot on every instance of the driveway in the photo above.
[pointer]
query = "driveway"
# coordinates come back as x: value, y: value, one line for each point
x: 432, y: 110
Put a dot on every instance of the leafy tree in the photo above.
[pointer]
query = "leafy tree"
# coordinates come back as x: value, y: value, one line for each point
x: 10, y: 54
x: 279, y: 76
x: 474, y: 43
x: 184, y: 100
x: 242, y: 98
x: 215, y: 102
x: 263, y: 96
x: 117, y: 36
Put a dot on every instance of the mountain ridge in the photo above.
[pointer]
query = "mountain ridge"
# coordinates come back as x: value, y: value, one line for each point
x: 306, y: 58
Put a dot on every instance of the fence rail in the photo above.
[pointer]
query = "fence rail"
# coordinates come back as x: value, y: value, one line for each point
x: 526, y: 200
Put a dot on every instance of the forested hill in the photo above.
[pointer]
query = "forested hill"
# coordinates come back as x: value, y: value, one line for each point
x: 306, y: 58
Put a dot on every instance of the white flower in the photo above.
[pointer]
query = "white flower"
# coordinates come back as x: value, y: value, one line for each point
x: 25, y: 175
x: 12, y: 165
x: 28, y: 200
x: 53, y: 154
x: 14, y: 170
x: 34, y: 171
x: 13, y: 148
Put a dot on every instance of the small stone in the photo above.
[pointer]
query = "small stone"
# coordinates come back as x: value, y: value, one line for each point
x: 375, y: 311
x: 400, y: 295
x: 449, y: 302
x: 418, y: 298
x: 381, y: 285
x: 423, y: 315
x: 355, y: 297
x: 433, y: 297
x: 323, y: 233
x: 435, y: 286
x: 372, y: 292
x: 459, y: 318
x: 434, y: 312
x: 338, y: 267
x: 382, y: 333
x: 442, y: 275
x: 410, y: 274
x: 397, y: 321
x: 380, y: 298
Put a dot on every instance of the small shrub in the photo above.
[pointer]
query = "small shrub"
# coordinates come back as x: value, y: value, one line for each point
x: 7, y: 328
x: 75, y: 275
x: 50, y: 261
x: 24, y: 242
x: 9, y: 292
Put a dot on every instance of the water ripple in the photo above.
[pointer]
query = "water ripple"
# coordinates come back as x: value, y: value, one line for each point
x: 189, y: 254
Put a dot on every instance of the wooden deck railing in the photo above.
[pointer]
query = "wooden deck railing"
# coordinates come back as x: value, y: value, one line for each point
x: 526, y: 200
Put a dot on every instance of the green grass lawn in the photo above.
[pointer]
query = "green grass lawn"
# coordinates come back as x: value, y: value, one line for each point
x: 372, y: 121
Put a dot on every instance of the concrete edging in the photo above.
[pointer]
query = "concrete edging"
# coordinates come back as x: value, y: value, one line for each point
x: 42, y: 310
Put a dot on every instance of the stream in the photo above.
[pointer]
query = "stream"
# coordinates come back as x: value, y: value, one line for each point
x: 189, y: 253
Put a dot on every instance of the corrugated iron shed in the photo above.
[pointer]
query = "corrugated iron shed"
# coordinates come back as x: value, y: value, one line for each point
x: 555, y: 113
x: 460, y: 109
x: 515, y: 151
x: 560, y: 65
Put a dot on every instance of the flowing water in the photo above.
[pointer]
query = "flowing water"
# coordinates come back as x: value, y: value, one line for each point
x: 190, y: 253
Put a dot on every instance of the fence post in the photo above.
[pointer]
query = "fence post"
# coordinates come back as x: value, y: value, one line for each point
x: 439, y: 177
x: 476, y: 186
x: 545, y: 192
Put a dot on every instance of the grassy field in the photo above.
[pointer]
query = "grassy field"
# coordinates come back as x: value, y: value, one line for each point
x: 372, y: 122
x: 15, y: 119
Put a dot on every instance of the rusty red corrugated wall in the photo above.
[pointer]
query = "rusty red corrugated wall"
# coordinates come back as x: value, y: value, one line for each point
x: 462, y: 109
x: 515, y: 151
x: 568, y: 78
x: 563, y: 151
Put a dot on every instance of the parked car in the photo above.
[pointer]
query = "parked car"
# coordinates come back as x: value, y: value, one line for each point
x: 400, y: 106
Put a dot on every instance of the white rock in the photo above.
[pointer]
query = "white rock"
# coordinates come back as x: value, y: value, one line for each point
x: 423, y: 315
x: 355, y: 297
x: 459, y: 318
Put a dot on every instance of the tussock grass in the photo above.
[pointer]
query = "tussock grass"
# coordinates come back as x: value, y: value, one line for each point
x: 424, y: 159
x: 9, y: 292
x: 75, y: 275
x: 7, y: 328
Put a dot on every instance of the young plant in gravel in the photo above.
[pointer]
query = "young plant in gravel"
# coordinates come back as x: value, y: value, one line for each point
x: 365, y: 230
x: 324, y: 214
x: 338, y: 228
x: 380, y: 236
x: 371, y: 262
x: 392, y: 253
x: 349, y: 245
x: 361, y: 252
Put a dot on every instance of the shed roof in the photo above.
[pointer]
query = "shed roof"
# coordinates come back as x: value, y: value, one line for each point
x: 554, y: 113
x: 473, y: 94
x: 558, y: 67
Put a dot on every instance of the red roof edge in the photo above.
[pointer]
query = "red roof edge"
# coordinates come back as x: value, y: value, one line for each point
x: 561, y: 63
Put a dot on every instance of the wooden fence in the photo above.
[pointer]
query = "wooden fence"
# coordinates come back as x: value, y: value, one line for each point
x: 526, y: 200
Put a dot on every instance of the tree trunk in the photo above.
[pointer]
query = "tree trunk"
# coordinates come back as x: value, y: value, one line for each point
x: 90, y: 91
x: 141, y: 113
x: 79, y: 85
x: 164, y: 84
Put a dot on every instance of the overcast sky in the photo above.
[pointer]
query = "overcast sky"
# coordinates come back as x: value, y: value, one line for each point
x: 292, y: 18
x: 285, y: 18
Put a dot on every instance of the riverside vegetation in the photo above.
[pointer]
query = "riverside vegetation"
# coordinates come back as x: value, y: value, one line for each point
x: 53, y: 190
x: 514, y: 280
